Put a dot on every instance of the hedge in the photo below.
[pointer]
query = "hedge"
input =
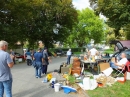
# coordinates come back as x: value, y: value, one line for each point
x: 66, y: 49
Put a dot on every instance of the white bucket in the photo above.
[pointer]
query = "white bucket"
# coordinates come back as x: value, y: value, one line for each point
x: 57, y: 87
x: 86, y: 83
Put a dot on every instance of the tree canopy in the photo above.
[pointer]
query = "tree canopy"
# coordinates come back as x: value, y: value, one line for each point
x: 117, y: 12
x: 89, y: 26
x: 34, y: 20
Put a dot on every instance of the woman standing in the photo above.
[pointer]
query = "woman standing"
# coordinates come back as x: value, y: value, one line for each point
x: 45, y: 61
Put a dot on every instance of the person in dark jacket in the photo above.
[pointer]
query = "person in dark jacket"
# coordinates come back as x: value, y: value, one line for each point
x: 45, y: 61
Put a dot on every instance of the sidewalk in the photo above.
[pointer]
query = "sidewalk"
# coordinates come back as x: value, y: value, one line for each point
x: 26, y: 85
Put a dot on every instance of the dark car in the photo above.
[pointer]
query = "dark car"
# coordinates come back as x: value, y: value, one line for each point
x: 121, y: 49
x: 59, y: 52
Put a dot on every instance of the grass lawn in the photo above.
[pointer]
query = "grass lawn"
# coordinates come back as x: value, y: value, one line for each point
x: 77, y: 53
x: 110, y: 51
x: 116, y: 90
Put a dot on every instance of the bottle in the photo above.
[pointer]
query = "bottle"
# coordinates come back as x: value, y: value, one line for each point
x: 52, y: 84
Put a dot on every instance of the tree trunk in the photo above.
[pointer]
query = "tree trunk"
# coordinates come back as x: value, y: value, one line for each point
x: 117, y: 32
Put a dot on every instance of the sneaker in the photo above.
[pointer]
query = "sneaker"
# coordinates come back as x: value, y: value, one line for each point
x: 36, y: 76
x: 39, y: 77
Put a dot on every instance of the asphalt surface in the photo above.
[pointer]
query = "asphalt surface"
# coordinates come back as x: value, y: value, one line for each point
x: 26, y: 85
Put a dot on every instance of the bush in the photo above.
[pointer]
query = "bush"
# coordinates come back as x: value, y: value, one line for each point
x: 66, y: 49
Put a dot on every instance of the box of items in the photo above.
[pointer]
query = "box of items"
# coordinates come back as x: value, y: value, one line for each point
x: 64, y: 69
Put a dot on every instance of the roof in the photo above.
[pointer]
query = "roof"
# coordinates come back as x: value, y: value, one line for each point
x: 126, y: 43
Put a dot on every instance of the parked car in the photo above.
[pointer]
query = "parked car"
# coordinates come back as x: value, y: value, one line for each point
x: 17, y: 55
x: 121, y: 49
x: 60, y: 52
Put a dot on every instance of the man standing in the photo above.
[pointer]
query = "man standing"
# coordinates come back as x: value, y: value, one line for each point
x: 38, y: 57
x: 93, y: 52
x: 6, y: 63
x: 69, y: 53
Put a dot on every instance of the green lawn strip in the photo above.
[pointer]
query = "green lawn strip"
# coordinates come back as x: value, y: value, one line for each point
x: 77, y: 53
x: 116, y: 90
x: 110, y: 51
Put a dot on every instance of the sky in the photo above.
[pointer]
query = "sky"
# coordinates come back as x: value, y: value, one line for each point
x: 81, y: 4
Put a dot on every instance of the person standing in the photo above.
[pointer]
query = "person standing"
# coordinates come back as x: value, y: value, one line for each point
x: 38, y: 57
x: 45, y: 61
x: 24, y: 55
x: 6, y: 63
x: 93, y: 52
x: 13, y: 54
x: 69, y: 53
x: 28, y: 58
x: 32, y: 53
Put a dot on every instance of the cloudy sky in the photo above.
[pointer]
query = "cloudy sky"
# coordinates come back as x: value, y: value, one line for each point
x: 81, y: 4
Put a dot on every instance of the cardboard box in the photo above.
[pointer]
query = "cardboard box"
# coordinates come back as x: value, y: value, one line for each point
x: 64, y: 69
x: 104, y: 66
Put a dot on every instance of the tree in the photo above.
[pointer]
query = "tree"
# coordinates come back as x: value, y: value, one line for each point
x: 34, y: 20
x: 88, y: 27
x: 127, y: 29
x: 109, y: 34
x: 117, y: 12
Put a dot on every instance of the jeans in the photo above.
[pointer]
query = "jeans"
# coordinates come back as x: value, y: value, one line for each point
x: 38, y: 69
x: 112, y: 65
x: 29, y: 62
x: 68, y: 59
x: 7, y: 86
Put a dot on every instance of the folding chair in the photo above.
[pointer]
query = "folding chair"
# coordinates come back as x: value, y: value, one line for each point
x: 120, y: 71
x: 124, y: 69
x: 127, y: 70
x: 127, y: 66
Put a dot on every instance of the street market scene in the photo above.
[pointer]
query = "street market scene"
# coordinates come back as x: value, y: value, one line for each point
x: 64, y: 48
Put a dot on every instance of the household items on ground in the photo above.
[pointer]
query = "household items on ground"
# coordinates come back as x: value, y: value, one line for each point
x: 75, y: 78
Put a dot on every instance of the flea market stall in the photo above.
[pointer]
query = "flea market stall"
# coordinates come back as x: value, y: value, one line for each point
x: 74, y: 77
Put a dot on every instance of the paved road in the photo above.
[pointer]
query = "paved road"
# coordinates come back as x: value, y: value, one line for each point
x: 26, y: 85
